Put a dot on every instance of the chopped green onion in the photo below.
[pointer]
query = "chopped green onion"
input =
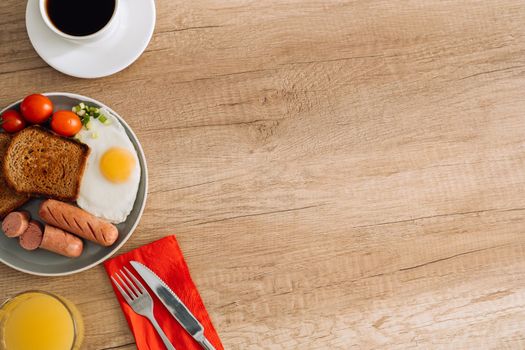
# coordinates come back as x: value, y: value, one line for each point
x: 86, y: 112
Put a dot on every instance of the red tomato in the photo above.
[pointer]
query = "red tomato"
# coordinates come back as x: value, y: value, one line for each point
x: 65, y: 123
x: 36, y: 108
x: 12, y: 121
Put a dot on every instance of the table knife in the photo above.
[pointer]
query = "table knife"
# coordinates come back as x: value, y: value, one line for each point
x: 174, y: 305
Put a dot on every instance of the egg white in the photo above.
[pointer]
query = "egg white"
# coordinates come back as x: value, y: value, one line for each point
x: 99, y: 196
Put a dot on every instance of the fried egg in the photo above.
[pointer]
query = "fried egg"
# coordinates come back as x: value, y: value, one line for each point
x: 111, y: 179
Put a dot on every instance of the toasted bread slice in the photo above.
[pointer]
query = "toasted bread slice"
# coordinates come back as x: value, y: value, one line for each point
x: 9, y: 199
x: 39, y: 162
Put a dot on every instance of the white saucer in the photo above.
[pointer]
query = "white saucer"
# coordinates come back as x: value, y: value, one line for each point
x: 107, y: 56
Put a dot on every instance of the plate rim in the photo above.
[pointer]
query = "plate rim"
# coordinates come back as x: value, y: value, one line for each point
x: 142, y: 205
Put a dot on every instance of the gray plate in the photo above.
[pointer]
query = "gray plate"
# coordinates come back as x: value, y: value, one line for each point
x: 44, y: 263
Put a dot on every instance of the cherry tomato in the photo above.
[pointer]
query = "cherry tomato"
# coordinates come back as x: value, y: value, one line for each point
x: 36, y: 108
x: 66, y: 123
x: 12, y: 121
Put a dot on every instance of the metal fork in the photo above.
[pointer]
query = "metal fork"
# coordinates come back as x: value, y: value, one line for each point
x: 139, y: 300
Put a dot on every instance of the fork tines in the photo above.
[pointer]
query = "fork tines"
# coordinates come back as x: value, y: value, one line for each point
x: 132, y: 292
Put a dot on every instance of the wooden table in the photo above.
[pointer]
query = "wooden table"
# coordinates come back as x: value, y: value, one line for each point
x: 340, y: 174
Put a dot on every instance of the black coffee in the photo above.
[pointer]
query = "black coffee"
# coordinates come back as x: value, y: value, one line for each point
x: 80, y: 17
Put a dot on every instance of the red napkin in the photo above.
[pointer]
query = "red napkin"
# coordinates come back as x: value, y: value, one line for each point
x: 164, y: 257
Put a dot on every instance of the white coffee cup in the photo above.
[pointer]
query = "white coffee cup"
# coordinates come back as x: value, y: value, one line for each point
x: 100, y: 34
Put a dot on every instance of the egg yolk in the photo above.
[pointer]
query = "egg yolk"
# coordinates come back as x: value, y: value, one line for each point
x: 116, y: 164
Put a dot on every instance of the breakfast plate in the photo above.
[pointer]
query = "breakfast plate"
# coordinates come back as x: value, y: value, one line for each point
x: 94, y: 59
x: 46, y: 263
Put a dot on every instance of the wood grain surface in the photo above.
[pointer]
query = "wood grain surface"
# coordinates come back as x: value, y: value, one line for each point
x: 340, y: 174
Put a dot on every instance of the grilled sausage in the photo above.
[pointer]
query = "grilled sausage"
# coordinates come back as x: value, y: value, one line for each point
x: 61, y: 242
x: 15, y: 223
x: 32, y: 237
x: 78, y: 221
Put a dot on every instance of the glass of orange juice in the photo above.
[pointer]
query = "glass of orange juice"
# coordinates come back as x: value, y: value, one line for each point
x: 37, y: 320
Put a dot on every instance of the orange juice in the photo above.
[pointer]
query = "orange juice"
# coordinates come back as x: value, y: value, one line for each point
x: 39, y: 321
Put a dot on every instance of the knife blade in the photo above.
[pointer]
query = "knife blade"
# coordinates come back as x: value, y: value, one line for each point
x: 173, y: 303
